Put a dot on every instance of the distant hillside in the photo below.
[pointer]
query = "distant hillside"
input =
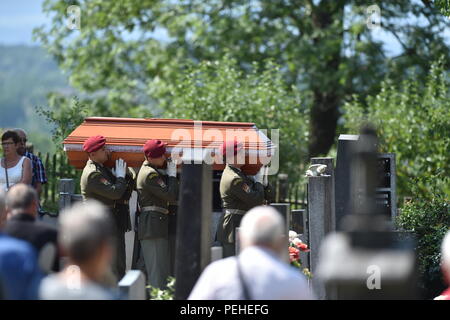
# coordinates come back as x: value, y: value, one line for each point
x: 27, y: 74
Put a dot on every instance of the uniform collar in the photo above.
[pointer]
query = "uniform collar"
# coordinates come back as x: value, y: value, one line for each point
x: 95, y: 163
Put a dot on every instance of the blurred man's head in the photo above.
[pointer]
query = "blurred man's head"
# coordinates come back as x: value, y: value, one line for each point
x: 2, y: 209
x: 263, y: 226
x: 22, y: 198
x: 23, y: 141
x: 86, y: 237
x: 445, y: 260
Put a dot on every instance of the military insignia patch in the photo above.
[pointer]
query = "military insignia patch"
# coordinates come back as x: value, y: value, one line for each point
x: 246, y: 188
x: 161, y: 183
x: 104, y: 181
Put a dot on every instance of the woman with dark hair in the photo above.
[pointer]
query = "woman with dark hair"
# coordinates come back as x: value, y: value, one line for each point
x: 14, y: 168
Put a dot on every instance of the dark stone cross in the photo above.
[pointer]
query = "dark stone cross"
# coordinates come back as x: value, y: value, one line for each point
x: 193, y: 227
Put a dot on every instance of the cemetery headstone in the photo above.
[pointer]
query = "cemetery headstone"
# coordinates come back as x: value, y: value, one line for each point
x: 193, y: 245
x: 132, y: 285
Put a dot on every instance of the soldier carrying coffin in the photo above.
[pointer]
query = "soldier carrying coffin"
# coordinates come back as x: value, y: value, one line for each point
x: 239, y: 193
x: 113, y: 189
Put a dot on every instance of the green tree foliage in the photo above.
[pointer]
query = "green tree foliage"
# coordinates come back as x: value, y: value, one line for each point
x: 429, y: 219
x: 64, y: 115
x: 414, y: 122
x: 219, y: 91
x: 126, y: 49
x: 444, y: 6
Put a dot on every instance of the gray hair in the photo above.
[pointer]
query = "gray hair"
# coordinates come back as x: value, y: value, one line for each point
x: 261, y: 225
x: 20, y: 197
x: 84, y: 229
x: 21, y: 131
x: 445, y: 250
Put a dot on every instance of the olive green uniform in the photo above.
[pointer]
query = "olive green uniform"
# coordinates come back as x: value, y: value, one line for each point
x: 156, y: 192
x: 239, y: 194
x: 99, y: 183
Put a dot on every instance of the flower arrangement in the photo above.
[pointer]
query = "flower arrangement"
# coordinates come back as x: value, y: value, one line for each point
x: 295, y: 247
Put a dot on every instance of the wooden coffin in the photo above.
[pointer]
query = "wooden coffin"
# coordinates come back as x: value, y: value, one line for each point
x: 188, y: 140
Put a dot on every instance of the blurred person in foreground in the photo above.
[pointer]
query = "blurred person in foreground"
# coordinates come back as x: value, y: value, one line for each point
x: 445, y: 266
x: 22, y: 204
x: 20, y: 275
x: 86, y: 238
x: 259, y: 272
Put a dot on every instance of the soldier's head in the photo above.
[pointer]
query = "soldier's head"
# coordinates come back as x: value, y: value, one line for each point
x: 263, y: 226
x: 96, y: 149
x: 154, y: 151
x: 23, y: 140
x: 85, y: 236
x: 233, y: 153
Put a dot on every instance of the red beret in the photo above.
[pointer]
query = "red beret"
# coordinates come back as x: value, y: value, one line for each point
x: 230, y: 146
x: 154, y: 148
x: 94, y: 143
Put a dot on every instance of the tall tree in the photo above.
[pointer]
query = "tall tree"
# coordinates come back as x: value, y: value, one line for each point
x: 333, y: 49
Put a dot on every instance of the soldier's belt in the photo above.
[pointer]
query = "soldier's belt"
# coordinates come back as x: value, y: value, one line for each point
x: 155, y: 208
x: 235, y: 211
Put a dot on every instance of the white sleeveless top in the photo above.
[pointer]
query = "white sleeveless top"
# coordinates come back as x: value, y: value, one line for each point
x: 14, y: 174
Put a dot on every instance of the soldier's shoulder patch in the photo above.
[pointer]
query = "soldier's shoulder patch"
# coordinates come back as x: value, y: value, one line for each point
x: 104, y: 181
x: 246, y: 187
x: 161, y: 183
x: 152, y: 174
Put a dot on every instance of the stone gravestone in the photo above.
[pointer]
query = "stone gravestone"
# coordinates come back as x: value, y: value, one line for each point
x: 132, y: 285
x: 193, y: 226
x: 368, y: 260
x: 216, y: 253
x: 297, y: 221
x: 284, y: 209
x: 66, y: 190
x: 299, y: 225
x: 345, y: 151
x: 320, y: 191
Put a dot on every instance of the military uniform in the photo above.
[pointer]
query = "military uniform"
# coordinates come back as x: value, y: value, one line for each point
x: 156, y: 191
x: 99, y: 183
x: 239, y: 194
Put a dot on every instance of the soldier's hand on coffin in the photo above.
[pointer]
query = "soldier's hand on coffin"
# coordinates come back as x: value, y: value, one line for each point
x: 121, y: 168
x: 171, y: 168
x: 260, y: 175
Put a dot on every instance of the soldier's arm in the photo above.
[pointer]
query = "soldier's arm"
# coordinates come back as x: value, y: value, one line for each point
x: 99, y: 185
x: 253, y: 194
x: 165, y: 191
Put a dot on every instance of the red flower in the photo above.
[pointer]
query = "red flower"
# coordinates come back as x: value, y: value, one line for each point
x: 303, y: 247
x: 294, y: 254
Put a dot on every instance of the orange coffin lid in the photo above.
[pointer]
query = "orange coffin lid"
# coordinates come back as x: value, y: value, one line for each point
x: 188, y: 139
